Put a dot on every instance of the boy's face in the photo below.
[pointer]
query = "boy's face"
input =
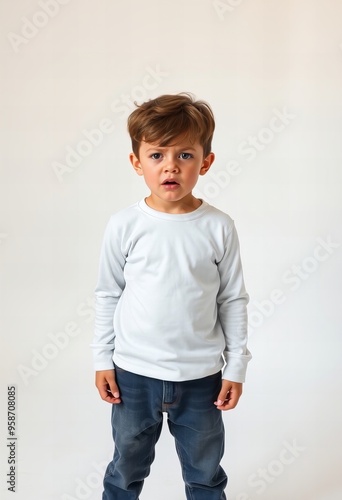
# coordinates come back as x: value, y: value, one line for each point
x: 171, y: 173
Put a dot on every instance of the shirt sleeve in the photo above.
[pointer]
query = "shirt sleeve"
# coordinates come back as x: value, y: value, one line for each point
x: 232, y: 301
x: 108, y: 291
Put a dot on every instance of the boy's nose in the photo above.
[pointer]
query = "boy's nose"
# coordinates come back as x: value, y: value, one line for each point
x: 171, y: 166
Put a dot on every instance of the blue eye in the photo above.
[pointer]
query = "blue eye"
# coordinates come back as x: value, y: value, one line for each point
x: 186, y: 156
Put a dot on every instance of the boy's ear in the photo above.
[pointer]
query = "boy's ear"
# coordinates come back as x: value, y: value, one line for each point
x: 207, y: 162
x: 136, y: 163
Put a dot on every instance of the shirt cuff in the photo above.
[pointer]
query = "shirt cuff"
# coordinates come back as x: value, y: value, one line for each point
x: 236, y: 367
x: 103, y: 359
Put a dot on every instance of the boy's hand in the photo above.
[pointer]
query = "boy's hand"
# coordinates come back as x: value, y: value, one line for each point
x: 106, y: 385
x: 229, y: 395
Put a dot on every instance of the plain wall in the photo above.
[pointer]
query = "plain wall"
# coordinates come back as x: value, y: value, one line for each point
x: 272, y: 72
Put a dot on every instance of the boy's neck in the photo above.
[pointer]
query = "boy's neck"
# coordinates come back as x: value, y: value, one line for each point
x: 183, y: 206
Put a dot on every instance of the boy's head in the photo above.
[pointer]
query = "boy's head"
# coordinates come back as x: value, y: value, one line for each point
x: 168, y: 118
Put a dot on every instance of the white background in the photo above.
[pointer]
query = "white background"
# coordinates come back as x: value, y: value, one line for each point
x: 67, y: 70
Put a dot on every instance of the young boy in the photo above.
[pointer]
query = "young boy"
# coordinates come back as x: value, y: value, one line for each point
x: 170, y: 308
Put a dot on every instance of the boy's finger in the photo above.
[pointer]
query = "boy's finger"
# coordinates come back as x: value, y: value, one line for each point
x: 105, y: 382
x: 230, y: 402
x: 107, y: 395
x: 114, y: 390
x: 221, y: 399
x: 224, y: 394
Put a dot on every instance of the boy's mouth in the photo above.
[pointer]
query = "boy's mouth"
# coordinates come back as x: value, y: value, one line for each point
x: 170, y: 182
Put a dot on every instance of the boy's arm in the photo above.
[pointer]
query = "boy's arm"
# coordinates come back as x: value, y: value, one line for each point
x: 109, y: 288
x: 232, y: 303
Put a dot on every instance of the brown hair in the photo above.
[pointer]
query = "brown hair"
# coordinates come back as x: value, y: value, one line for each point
x: 168, y: 117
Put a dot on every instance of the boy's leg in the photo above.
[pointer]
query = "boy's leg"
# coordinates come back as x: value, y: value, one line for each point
x: 137, y: 423
x: 197, y: 427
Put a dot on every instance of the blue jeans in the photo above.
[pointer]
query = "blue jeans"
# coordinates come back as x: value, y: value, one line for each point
x: 193, y: 420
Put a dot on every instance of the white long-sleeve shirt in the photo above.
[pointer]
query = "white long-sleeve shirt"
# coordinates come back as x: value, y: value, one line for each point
x: 170, y: 297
